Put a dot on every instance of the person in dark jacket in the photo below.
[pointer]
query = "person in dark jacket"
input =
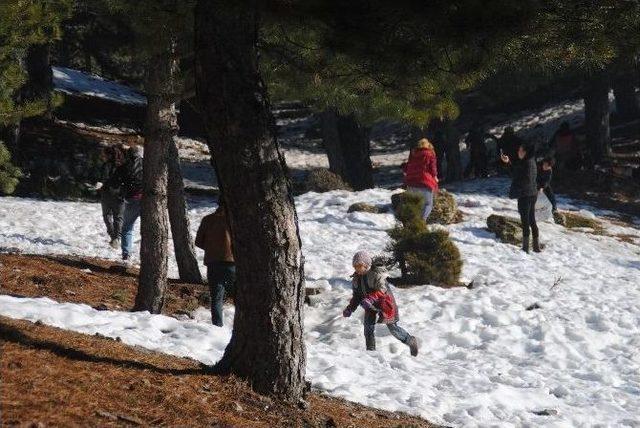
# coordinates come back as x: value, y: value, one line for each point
x: 214, y: 237
x: 524, y: 189
x: 545, y: 173
x: 508, y: 144
x: 421, y: 174
x: 564, y: 148
x: 111, y: 194
x: 369, y: 286
x: 131, y: 181
x: 478, y: 162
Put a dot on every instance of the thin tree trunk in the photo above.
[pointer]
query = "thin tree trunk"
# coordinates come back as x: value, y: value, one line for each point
x: 160, y: 129
x: 627, y: 99
x: 267, y: 344
x: 180, y: 227
x: 348, y: 148
x: 596, y: 115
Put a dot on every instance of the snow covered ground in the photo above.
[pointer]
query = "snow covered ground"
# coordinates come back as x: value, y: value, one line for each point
x: 485, y: 359
x: 77, y: 82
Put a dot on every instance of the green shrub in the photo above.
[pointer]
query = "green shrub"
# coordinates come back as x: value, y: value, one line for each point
x: 572, y: 220
x: 445, y: 209
x: 425, y: 256
x: 507, y: 229
x: 364, y: 207
x: 9, y: 173
x: 428, y: 257
x: 407, y: 207
x: 322, y: 180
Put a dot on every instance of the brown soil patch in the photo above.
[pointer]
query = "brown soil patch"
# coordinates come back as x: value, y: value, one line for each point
x: 60, y: 378
x: 99, y: 283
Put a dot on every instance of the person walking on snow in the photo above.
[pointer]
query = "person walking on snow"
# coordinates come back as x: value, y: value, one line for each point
x: 131, y: 180
x: 524, y: 189
x: 111, y: 199
x: 214, y: 237
x: 370, y: 290
x: 545, y: 174
x: 421, y: 174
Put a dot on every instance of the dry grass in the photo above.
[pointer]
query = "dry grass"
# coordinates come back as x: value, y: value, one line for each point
x: 107, y: 284
x: 59, y: 378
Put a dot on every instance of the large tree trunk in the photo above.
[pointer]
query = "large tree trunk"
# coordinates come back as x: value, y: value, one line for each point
x: 627, y: 99
x: 348, y: 148
x: 39, y: 75
x: 180, y: 228
x: 160, y: 129
x: 596, y: 116
x: 267, y: 344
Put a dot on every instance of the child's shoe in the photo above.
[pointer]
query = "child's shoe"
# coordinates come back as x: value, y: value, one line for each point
x: 413, y: 346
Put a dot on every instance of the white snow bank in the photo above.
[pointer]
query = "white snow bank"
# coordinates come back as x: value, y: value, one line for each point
x: 485, y: 359
x: 76, y: 82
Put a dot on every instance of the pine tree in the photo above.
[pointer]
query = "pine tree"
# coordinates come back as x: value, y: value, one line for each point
x: 267, y: 344
x: 26, y: 30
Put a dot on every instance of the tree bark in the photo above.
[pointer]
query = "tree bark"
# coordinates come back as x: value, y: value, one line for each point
x: 180, y: 226
x: 348, y: 148
x: 160, y: 129
x: 627, y: 99
x: 267, y: 344
x: 39, y: 76
x: 596, y: 115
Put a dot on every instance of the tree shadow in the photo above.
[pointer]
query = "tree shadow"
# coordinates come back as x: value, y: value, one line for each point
x: 36, y: 240
x: 14, y: 335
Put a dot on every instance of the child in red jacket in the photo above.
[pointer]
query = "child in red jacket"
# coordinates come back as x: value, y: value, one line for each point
x: 371, y: 292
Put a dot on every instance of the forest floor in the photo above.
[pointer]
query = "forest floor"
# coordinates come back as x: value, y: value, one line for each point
x: 61, y: 378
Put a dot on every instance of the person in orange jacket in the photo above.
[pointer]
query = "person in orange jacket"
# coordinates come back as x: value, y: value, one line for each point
x: 214, y: 237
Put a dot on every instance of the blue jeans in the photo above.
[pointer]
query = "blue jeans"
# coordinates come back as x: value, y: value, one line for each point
x: 131, y: 214
x: 370, y: 331
x: 221, y: 277
x: 427, y: 194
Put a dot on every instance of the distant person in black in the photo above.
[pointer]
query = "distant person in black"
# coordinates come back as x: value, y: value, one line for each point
x: 545, y: 173
x: 524, y: 189
x: 111, y: 194
x: 478, y: 163
x: 564, y: 148
x: 508, y: 144
x: 131, y: 179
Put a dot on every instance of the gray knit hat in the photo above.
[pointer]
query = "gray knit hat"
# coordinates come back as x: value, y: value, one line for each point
x: 362, y: 257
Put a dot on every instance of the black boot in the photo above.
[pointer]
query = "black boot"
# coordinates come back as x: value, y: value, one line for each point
x: 536, y: 244
x: 371, y: 343
x: 525, y: 244
x: 413, y: 346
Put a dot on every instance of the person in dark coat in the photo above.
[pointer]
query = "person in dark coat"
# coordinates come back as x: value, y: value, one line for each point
x: 478, y: 163
x: 524, y: 188
x: 111, y: 198
x: 214, y: 237
x: 545, y: 173
x: 369, y: 285
x: 508, y: 144
x: 564, y: 148
x: 131, y: 181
